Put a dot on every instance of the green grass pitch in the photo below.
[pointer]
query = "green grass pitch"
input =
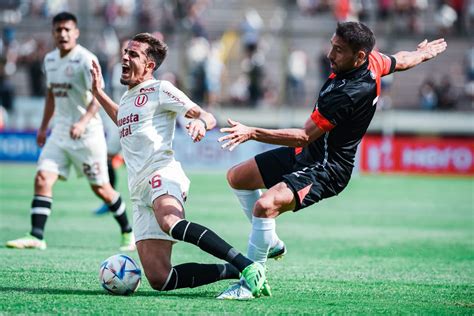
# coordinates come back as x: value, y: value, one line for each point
x: 387, y: 244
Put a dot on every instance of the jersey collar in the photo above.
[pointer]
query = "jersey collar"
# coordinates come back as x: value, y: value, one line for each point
x: 357, y: 72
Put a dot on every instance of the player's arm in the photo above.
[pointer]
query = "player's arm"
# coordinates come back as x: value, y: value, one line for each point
x: 292, y: 137
x: 48, y: 113
x: 424, y: 52
x: 78, y: 128
x: 202, y: 121
x: 110, y: 107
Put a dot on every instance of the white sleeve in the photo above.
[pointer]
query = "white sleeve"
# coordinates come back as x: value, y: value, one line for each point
x: 48, y: 79
x: 173, y: 99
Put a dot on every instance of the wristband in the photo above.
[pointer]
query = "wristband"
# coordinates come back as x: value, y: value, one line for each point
x: 204, y: 122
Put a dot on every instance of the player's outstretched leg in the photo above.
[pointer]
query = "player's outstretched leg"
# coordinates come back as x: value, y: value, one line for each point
x: 247, y: 200
x: 191, y: 275
x: 210, y: 242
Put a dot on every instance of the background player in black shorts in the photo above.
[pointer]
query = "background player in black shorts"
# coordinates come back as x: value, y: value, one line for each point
x: 317, y: 160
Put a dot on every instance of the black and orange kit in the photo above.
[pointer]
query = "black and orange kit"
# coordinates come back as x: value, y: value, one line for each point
x: 344, y: 109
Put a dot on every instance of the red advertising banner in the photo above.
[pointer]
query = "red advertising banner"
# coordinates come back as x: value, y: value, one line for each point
x: 417, y: 155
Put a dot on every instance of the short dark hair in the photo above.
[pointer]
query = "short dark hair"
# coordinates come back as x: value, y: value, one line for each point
x: 157, y: 49
x: 357, y: 35
x: 64, y: 16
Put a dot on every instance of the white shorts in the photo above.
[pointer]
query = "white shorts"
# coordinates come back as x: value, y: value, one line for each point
x: 88, y: 156
x: 169, y: 180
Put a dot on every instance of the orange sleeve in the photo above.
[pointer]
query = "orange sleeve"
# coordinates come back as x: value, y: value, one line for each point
x: 380, y: 64
x: 321, y: 121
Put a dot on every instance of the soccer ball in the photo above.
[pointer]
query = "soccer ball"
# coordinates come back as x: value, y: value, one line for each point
x: 120, y: 274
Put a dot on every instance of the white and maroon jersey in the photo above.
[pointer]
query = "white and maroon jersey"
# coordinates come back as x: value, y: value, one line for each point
x: 70, y: 80
x: 146, y: 120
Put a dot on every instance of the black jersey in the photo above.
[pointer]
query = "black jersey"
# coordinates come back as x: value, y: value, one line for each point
x: 344, y: 109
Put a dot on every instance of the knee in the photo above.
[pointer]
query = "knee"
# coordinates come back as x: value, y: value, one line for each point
x: 263, y: 207
x: 42, y: 181
x: 158, y: 279
x: 232, y: 178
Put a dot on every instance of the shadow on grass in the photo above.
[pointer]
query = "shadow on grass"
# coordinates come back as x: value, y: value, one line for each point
x: 51, y: 291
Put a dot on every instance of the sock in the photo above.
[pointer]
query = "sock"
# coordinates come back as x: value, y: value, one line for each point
x: 117, y: 207
x: 208, y: 241
x: 247, y: 199
x: 112, y: 175
x: 196, y: 274
x: 260, y: 239
x: 40, y: 210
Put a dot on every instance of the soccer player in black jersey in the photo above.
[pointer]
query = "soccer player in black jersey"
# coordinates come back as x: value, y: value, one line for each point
x: 316, y: 160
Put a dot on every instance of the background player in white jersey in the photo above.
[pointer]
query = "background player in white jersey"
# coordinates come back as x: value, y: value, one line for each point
x: 77, y: 137
x: 146, y: 119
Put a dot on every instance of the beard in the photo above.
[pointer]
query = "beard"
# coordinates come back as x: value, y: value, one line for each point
x: 125, y: 82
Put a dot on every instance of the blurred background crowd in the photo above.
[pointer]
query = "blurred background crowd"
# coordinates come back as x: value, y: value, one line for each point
x: 242, y: 53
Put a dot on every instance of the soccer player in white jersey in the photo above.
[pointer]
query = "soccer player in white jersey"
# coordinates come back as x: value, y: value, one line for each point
x: 77, y: 137
x: 146, y: 119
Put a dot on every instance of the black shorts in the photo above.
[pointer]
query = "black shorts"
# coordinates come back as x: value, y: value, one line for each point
x: 309, y: 184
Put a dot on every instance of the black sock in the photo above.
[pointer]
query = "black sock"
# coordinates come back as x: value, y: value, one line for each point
x: 197, y: 274
x: 112, y: 175
x: 118, y: 209
x: 40, y: 210
x: 208, y: 241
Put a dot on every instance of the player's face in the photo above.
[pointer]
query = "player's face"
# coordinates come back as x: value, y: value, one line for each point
x: 65, y: 35
x: 136, y: 66
x: 341, y: 56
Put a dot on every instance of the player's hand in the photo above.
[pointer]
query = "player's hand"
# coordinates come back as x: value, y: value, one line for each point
x: 237, y: 134
x: 96, y: 77
x: 431, y: 49
x: 76, y: 131
x: 196, y: 129
x: 41, y: 137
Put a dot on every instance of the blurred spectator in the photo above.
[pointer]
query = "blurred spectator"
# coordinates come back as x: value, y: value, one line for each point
x: 385, y: 99
x: 8, y: 60
x: 445, y: 18
x: 198, y: 52
x: 214, y: 68
x: 324, y: 65
x: 253, y: 66
x: 194, y: 21
x: 107, y: 46
x: 447, y: 94
x: 428, y: 95
x: 250, y: 29
x: 384, y: 9
x: 469, y: 68
x: 297, y: 69
x: 346, y: 10
x: 469, y: 63
x: 34, y: 51
x: 408, y: 15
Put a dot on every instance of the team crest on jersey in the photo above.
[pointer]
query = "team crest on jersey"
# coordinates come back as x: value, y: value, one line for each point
x: 141, y: 100
x: 69, y: 71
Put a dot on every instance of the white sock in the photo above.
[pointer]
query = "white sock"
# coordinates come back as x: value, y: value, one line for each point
x: 247, y: 199
x: 261, y: 238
